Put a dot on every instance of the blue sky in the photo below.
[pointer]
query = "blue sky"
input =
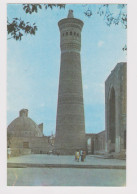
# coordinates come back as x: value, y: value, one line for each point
x: 33, y: 65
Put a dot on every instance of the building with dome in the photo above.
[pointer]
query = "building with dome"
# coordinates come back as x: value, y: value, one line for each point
x: 23, y: 126
x: 26, y: 137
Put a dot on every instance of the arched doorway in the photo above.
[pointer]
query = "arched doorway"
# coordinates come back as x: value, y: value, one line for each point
x: 89, y: 145
x: 112, y: 121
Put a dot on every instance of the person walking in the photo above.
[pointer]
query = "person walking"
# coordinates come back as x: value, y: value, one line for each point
x: 9, y: 152
x: 81, y: 153
x: 77, y: 155
x: 82, y: 156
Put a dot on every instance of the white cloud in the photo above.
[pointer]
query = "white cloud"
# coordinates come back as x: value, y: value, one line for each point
x: 100, y: 43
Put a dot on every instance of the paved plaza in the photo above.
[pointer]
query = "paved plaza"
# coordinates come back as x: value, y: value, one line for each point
x: 53, y: 159
x: 65, y: 177
x: 71, y: 176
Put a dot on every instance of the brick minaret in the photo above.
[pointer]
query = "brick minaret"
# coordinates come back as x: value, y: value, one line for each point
x: 70, y: 121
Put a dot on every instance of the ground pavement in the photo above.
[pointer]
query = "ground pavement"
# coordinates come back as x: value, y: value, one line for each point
x: 44, y: 160
x: 65, y: 171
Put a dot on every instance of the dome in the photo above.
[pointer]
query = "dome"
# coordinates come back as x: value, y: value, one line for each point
x: 23, y: 126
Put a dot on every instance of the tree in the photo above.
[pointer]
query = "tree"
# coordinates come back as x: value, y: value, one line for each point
x: 17, y: 27
x: 110, y: 18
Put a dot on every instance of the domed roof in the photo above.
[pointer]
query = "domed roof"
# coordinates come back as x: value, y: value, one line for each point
x: 23, y: 126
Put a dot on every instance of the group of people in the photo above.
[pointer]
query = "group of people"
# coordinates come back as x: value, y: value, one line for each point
x: 80, y: 155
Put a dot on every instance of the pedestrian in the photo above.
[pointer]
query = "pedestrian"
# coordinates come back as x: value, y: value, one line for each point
x: 9, y: 152
x: 82, y: 156
x: 80, y: 153
x: 77, y: 155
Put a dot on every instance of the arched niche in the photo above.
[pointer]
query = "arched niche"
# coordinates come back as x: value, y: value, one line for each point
x: 112, y: 120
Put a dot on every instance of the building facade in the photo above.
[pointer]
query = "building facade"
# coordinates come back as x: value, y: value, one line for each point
x: 115, y: 109
x: 96, y: 143
x: 24, y: 136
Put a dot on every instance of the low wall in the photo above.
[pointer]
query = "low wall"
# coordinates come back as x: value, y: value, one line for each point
x: 96, y: 143
x: 37, y: 145
x: 19, y: 151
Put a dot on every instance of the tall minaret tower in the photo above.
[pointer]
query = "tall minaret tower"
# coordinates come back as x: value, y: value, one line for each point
x: 70, y: 121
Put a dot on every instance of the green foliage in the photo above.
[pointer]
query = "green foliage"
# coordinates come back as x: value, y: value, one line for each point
x: 109, y: 17
x: 17, y: 28
x: 31, y: 8
x: 124, y: 48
